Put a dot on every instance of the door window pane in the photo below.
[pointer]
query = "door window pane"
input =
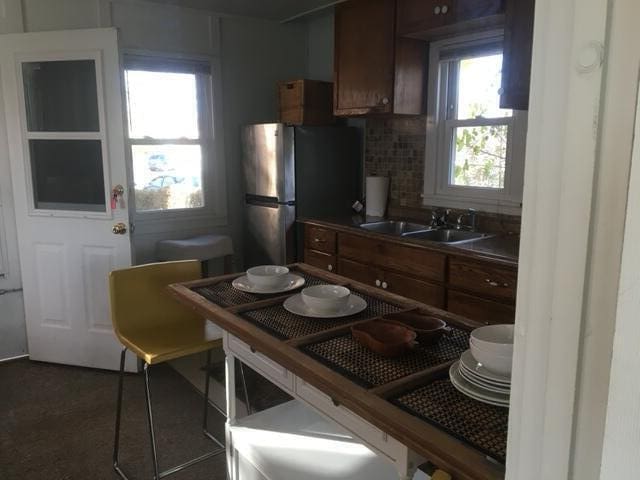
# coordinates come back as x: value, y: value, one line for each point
x: 162, y: 105
x: 479, y: 156
x: 167, y: 176
x: 67, y: 175
x: 61, y: 96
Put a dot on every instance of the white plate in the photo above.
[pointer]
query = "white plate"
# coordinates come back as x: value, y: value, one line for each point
x: 470, y: 390
x: 295, y: 305
x: 291, y: 283
x: 482, y: 384
x: 472, y: 365
x: 472, y: 375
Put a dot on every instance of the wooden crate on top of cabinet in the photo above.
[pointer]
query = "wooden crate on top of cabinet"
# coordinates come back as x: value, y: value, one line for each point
x: 305, y: 102
x: 376, y: 72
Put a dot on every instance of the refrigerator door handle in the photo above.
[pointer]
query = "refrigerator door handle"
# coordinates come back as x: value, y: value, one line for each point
x: 262, y: 201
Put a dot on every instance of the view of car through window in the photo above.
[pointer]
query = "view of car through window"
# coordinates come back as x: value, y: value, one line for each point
x: 165, y: 139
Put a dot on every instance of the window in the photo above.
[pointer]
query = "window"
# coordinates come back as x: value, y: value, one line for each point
x: 169, y: 131
x: 476, y: 148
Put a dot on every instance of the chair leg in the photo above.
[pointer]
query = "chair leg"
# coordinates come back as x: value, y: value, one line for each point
x: 147, y: 392
x: 205, y: 423
x: 116, y: 443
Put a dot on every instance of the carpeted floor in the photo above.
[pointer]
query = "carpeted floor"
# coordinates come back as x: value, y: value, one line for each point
x: 57, y: 423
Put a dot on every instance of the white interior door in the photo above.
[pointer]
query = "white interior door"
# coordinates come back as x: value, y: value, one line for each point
x: 65, y: 128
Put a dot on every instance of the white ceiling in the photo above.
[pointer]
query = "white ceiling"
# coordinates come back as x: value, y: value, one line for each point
x: 278, y: 10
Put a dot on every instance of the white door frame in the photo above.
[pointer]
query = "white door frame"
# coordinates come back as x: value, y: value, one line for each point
x: 620, y: 457
x: 576, y: 175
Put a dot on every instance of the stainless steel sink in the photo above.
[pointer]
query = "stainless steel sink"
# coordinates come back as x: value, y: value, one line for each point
x: 394, y: 227
x: 449, y: 236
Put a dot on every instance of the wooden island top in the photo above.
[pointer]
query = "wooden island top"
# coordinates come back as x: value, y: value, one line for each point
x: 409, y: 398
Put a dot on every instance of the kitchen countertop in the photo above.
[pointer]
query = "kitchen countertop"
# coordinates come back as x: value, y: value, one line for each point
x: 502, y: 248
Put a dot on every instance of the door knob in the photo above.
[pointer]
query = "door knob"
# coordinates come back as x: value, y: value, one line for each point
x: 119, y: 229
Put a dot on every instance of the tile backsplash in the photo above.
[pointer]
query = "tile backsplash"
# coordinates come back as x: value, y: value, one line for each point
x: 395, y: 146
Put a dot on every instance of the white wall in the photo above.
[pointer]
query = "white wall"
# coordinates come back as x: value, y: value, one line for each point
x: 254, y: 55
x: 320, y: 43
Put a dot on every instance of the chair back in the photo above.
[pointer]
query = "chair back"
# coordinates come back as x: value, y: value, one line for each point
x: 140, y: 299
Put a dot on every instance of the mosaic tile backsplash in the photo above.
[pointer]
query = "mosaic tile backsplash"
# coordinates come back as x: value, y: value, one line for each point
x: 396, y: 147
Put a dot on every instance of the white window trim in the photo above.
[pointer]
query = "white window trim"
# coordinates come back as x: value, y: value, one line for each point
x: 437, y: 190
x: 214, y: 184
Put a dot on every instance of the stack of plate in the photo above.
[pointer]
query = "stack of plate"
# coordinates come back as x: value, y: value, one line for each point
x: 474, y: 380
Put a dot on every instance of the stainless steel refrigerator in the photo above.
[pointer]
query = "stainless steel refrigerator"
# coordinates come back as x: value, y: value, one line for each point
x: 295, y: 172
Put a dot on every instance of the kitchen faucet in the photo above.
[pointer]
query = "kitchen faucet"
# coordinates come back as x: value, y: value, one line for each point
x: 471, y: 213
x: 440, y: 218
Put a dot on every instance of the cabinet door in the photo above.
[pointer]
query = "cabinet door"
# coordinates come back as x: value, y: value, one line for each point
x: 423, y: 15
x: 471, y: 9
x: 479, y: 309
x: 360, y: 272
x: 516, y: 60
x: 321, y: 260
x: 415, y: 289
x: 364, y: 57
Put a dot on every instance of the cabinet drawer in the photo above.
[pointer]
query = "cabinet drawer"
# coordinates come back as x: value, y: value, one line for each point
x: 267, y: 367
x: 358, y: 271
x: 415, y: 289
x: 322, y: 260
x: 369, y: 434
x: 483, y: 277
x: 320, y: 239
x: 413, y: 261
x: 479, y: 309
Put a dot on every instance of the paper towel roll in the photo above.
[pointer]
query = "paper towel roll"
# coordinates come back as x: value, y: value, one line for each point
x: 377, y: 189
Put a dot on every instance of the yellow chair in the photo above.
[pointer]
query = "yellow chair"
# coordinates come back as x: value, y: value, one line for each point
x: 157, y: 328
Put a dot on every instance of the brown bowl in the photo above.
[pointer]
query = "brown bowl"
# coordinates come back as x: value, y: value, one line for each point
x: 389, y: 339
x: 429, y: 329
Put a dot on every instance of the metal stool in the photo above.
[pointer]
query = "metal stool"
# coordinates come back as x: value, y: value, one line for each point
x: 203, y: 248
x: 156, y: 328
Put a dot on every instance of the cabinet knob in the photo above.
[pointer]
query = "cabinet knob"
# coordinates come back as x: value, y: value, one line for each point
x: 378, y: 283
x: 445, y: 9
x: 492, y: 283
x: 384, y: 285
x: 330, y: 267
x: 385, y: 101
x: 436, y: 10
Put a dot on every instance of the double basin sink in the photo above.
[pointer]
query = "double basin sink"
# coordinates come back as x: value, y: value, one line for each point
x: 424, y: 232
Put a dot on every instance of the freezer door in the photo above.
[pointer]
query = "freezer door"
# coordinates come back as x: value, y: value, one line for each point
x: 268, y: 161
x: 269, y: 234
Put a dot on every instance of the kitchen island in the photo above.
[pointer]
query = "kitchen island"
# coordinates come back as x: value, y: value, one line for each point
x: 404, y: 408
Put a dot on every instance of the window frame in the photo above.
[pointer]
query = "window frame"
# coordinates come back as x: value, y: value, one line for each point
x: 211, y: 134
x: 439, y: 158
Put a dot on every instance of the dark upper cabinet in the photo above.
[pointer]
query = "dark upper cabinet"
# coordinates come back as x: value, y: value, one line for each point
x: 429, y: 19
x: 516, y: 64
x: 376, y: 72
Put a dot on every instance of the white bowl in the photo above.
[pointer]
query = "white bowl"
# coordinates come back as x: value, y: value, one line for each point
x: 269, y: 276
x: 500, y: 364
x: 496, y: 339
x: 325, y: 298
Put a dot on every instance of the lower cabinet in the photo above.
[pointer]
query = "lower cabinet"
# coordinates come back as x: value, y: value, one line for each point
x: 479, y: 309
x: 324, y: 261
x: 475, y: 288
x: 409, y: 287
